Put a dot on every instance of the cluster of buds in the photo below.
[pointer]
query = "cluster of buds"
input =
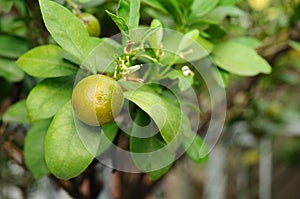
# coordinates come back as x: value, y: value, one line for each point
x: 124, y: 64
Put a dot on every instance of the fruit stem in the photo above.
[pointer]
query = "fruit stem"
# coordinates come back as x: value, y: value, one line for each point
x: 74, y: 6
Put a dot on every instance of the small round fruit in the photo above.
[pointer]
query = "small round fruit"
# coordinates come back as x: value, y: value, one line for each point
x: 91, y: 23
x: 96, y: 99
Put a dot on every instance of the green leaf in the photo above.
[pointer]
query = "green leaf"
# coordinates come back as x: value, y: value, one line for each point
x: 221, y: 76
x: 196, y: 150
x: 10, y: 71
x: 218, y: 14
x: 12, y: 47
x: 83, y: 1
x: 156, y: 4
x: 205, y: 44
x: 34, y: 148
x: 46, y: 61
x: 184, y: 82
x: 155, y: 39
x: 179, y: 48
x: 239, y: 59
x: 185, y: 5
x: 202, y: 7
x: 149, y: 153
x: 174, y: 10
x: 154, y: 175
x: 165, y: 19
x: 228, y: 2
x: 65, y: 155
x: 47, y: 97
x: 247, y: 41
x: 129, y: 10
x: 65, y: 28
x: 17, y: 113
x: 95, y: 142
x: 119, y: 21
x: 5, y: 6
x: 294, y: 45
x: 92, y: 43
x: 188, y: 40
x: 108, y: 134
x: 104, y: 53
x: 166, y: 116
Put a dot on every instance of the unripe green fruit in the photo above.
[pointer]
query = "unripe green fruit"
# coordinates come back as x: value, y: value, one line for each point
x: 91, y: 23
x: 97, y: 99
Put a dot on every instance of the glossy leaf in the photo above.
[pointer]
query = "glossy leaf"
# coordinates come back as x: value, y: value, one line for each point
x: 155, y: 39
x: 154, y: 175
x: 228, y: 2
x: 12, y: 47
x: 10, y: 71
x: 34, y: 148
x: 68, y: 31
x: 188, y: 40
x: 239, y: 59
x: 247, y: 41
x: 202, y: 7
x: 46, y: 61
x: 156, y: 4
x: 104, y: 53
x: 196, y: 149
x: 186, y: 4
x: 65, y: 155
x: 221, y: 76
x: 96, y: 140
x: 150, y: 153
x: 129, y: 10
x: 16, y: 113
x: 93, y: 43
x: 174, y: 10
x: 119, y: 21
x: 184, y: 82
x: 179, y: 48
x: 218, y: 14
x: 47, y: 97
x: 205, y: 44
x: 166, y: 116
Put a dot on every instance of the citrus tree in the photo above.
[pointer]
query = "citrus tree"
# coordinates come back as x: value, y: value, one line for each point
x: 127, y: 92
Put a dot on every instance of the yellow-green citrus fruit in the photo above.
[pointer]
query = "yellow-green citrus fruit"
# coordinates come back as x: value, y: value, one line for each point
x: 91, y: 23
x: 259, y: 4
x: 97, y: 99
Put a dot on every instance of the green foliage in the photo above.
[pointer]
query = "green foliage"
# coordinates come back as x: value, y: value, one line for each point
x: 239, y: 59
x: 33, y: 152
x: 45, y: 99
x: 202, y: 7
x: 10, y: 71
x: 195, y: 32
x: 295, y: 45
x: 12, y: 46
x: 46, y: 61
x: 129, y: 10
x: 150, y: 153
x: 17, y: 113
x: 68, y: 32
x: 197, y: 150
x: 65, y: 154
x: 247, y: 41
x: 166, y: 116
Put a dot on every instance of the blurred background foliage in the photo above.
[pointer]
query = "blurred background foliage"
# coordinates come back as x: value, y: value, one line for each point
x: 264, y: 107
